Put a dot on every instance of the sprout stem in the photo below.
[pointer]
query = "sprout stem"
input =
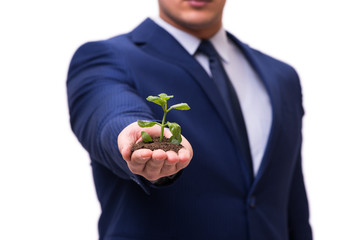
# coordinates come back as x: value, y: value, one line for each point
x: 163, y: 122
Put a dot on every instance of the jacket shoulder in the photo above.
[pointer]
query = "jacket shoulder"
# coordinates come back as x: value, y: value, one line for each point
x: 273, y: 64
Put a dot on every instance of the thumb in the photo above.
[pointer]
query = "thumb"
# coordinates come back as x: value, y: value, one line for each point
x: 126, y: 139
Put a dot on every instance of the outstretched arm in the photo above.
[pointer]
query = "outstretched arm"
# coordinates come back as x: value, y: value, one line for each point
x: 103, y: 102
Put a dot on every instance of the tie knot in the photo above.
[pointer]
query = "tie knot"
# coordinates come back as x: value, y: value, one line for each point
x: 207, y: 48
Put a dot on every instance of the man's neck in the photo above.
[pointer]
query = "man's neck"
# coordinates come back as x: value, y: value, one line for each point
x: 201, y: 33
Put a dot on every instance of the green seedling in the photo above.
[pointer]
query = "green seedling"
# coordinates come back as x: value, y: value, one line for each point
x: 174, y: 128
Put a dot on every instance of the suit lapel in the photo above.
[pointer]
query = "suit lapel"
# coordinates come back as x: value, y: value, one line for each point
x: 272, y: 88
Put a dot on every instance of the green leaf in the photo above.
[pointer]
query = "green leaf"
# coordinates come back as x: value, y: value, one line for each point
x: 165, y: 97
x: 175, y: 140
x: 156, y: 100
x: 144, y: 124
x: 180, y: 106
x: 146, y: 137
x: 175, y: 130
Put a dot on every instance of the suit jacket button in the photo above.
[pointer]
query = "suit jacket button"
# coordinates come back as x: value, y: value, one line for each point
x: 252, y: 201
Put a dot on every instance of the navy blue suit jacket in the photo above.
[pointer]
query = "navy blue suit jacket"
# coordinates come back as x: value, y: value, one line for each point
x: 214, y: 197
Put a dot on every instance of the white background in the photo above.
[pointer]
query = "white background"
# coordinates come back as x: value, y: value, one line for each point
x: 46, y: 188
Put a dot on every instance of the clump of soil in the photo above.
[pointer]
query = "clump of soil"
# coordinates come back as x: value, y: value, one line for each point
x: 156, y: 144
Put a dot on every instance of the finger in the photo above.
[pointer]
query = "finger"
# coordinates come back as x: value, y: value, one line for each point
x: 169, y: 167
x: 124, y: 147
x: 184, y: 155
x: 159, y: 155
x: 184, y: 159
x: 153, y: 166
x: 188, y: 147
x: 141, y: 156
x: 126, y: 139
x: 138, y: 160
x: 171, y: 157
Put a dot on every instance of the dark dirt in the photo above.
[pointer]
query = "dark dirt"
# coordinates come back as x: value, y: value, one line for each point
x: 156, y: 144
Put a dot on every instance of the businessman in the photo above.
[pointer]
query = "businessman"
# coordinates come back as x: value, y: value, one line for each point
x: 239, y: 174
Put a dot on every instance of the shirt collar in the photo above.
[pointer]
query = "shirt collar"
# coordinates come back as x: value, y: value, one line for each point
x: 221, y: 44
x: 190, y: 43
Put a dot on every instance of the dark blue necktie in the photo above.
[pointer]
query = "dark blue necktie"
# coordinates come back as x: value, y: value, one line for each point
x: 230, y: 98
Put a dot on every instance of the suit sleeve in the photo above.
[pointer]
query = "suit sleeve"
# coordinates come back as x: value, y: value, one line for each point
x: 299, y: 227
x: 298, y: 207
x: 102, y: 101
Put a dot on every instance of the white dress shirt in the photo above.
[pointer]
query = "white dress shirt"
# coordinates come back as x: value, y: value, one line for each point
x: 253, y: 97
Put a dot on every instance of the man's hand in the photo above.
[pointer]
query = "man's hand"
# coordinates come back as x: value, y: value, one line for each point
x: 156, y: 164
